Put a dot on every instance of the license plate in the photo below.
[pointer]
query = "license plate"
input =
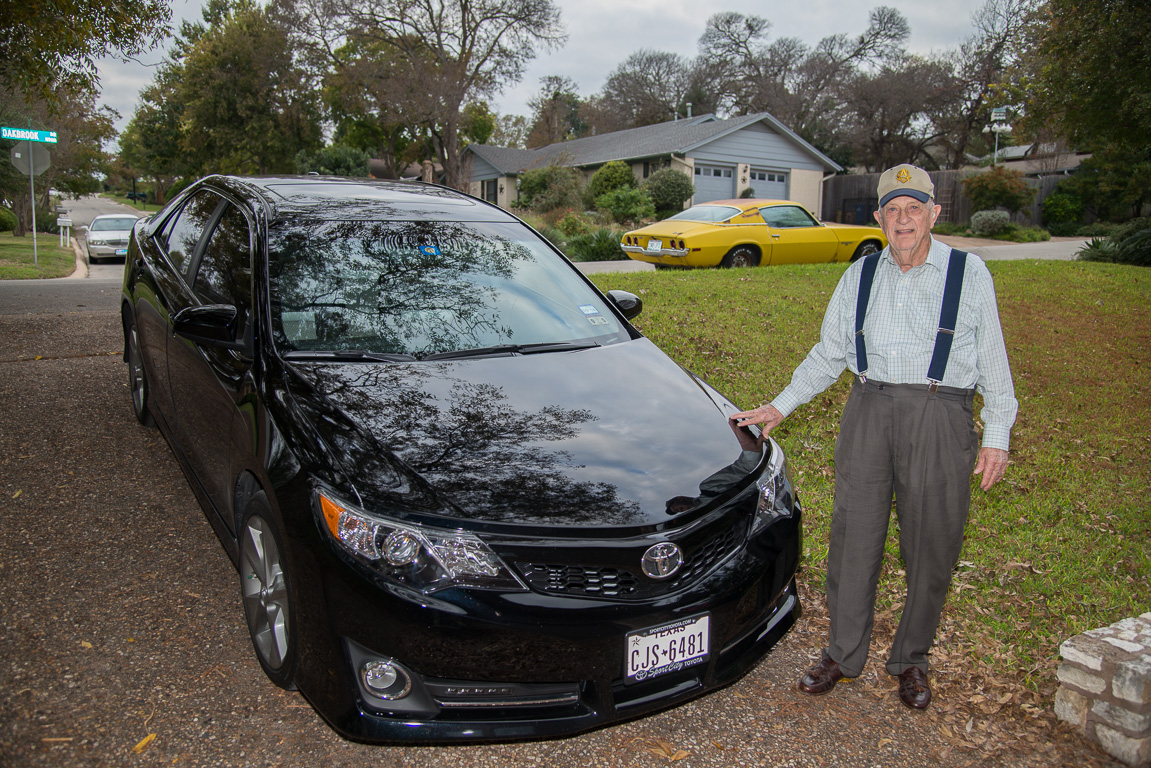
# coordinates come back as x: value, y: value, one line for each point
x: 654, y: 245
x: 121, y: 251
x: 668, y: 648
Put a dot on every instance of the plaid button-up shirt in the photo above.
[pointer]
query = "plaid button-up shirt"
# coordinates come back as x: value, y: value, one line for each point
x: 900, y: 329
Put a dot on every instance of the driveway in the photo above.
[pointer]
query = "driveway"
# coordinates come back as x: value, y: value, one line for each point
x: 122, y: 637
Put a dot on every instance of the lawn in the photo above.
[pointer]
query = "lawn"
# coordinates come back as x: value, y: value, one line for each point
x: 16, y: 257
x: 1059, y: 547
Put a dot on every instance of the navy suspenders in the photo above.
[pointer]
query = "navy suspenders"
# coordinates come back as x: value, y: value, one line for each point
x: 952, y: 287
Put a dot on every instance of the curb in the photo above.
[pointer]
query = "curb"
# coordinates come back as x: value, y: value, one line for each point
x: 81, y: 270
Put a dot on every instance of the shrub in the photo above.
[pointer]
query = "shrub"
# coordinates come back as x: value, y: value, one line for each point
x: 610, y: 177
x: 550, y: 188
x: 989, y: 223
x: 571, y: 224
x: 1096, y: 229
x: 1018, y: 234
x: 628, y: 204
x: 1062, y: 213
x: 998, y: 187
x: 177, y: 187
x: 7, y: 220
x: 1129, y: 243
x: 668, y: 189
x: 598, y: 245
x: 748, y: 193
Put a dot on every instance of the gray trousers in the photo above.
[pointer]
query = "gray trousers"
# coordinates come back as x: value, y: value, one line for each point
x: 920, y: 447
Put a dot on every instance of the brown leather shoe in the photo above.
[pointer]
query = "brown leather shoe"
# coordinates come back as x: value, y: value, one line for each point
x: 913, y: 688
x: 821, y: 678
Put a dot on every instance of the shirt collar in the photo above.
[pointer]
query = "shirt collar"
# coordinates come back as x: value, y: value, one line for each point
x: 937, y: 256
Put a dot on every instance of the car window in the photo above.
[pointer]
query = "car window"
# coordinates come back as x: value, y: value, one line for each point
x: 787, y: 217
x: 115, y: 224
x: 225, y: 270
x: 423, y: 287
x: 183, y: 234
x: 706, y: 213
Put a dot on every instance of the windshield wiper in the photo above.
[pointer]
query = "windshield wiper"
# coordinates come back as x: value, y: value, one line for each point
x: 513, y: 349
x: 353, y: 355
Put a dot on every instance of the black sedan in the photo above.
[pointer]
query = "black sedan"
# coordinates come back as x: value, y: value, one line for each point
x: 467, y: 499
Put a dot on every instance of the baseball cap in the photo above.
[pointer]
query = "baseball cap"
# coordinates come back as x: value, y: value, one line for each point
x: 905, y: 180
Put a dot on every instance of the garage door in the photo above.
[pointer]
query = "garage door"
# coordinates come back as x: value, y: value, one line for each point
x: 714, y: 182
x: 769, y: 184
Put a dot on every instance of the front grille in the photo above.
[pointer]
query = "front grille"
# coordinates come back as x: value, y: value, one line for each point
x: 622, y: 583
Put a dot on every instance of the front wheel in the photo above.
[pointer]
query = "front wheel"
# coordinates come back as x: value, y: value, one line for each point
x: 266, y: 588
x: 741, y: 256
x: 137, y: 379
x: 865, y: 249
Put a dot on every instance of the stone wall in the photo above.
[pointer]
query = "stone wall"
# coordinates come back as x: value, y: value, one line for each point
x: 1105, y: 688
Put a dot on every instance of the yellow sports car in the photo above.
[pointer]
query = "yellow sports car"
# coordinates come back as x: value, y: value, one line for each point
x: 747, y: 233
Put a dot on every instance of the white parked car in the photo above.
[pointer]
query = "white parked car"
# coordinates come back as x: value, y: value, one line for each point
x: 107, y: 236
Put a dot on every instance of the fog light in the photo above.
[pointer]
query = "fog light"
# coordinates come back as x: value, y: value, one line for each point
x: 385, y: 679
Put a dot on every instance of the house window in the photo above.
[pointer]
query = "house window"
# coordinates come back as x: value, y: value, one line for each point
x: 491, y: 191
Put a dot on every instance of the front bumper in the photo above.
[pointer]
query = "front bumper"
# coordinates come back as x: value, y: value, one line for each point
x: 488, y: 666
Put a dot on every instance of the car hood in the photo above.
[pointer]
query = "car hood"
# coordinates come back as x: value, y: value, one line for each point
x: 615, y: 436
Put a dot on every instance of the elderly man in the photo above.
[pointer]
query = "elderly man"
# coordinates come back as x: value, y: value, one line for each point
x: 918, y: 326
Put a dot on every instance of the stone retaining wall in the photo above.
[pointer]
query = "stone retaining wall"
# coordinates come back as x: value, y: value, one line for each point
x: 1105, y: 688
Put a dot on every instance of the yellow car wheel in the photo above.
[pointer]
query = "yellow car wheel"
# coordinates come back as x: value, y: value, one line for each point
x: 741, y: 256
x: 866, y: 249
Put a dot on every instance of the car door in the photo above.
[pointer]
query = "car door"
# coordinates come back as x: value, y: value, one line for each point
x: 796, y: 237
x: 161, y: 290
x: 212, y: 384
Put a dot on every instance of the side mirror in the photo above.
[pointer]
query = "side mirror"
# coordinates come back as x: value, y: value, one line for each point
x: 214, y: 324
x: 628, y: 304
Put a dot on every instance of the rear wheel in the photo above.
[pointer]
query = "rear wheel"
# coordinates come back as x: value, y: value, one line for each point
x: 265, y: 586
x: 865, y: 249
x: 741, y: 256
x: 137, y: 379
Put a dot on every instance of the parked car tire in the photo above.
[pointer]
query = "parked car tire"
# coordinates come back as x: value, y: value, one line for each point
x: 866, y: 248
x: 266, y: 589
x: 741, y: 256
x: 137, y: 378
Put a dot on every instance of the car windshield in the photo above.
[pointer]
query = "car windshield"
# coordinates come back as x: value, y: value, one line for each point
x: 419, y: 288
x: 116, y: 224
x: 706, y: 213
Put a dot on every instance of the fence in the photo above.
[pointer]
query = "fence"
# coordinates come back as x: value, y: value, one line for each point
x: 852, y: 199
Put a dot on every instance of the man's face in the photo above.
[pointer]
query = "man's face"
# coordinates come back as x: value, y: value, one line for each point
x: 907, y: 224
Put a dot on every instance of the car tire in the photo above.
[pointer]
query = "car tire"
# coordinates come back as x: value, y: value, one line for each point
x: 137, y: 378
x: 866, y: 248
x: 741, y: 256
x: 267, y: 592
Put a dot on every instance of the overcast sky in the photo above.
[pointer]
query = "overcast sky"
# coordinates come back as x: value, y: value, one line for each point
x: 602, y: 33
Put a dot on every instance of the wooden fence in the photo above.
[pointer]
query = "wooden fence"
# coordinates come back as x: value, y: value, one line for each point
x: 852, y: 199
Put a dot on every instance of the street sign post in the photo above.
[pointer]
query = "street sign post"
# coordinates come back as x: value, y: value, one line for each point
x: 36, y: 156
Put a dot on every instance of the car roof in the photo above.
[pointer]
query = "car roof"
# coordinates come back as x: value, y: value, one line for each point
x: 744, y: 203
x: 342, y: 198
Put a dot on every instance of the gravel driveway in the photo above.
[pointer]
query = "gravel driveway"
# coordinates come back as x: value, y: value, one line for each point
x: 122, y: 639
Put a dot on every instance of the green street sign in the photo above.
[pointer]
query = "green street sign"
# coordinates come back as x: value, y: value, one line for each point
x: 27, y: 134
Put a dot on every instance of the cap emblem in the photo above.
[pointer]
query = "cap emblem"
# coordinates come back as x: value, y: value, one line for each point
x: 903, y: 176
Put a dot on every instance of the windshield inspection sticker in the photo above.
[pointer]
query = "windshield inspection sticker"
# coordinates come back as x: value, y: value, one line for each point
x: 598, y: 320
x: 588, y: 309
x: 429, y: 250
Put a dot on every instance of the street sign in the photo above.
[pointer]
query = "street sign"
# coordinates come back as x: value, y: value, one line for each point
x: 27, y: 134
x: 38, y: 158
x: 999, y: 114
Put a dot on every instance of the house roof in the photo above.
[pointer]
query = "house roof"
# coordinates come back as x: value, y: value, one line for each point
x: 677, y: 136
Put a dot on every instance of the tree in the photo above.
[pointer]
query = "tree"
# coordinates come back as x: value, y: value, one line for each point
x: 50, y: 47
x: 1091, y: 71
x: 649, y: 86
x: 333, y: 160
x: 150, y: 145
x: 511, y: 131
x: 248, y: 104
x: 446, y: 53
x: 555, y: 112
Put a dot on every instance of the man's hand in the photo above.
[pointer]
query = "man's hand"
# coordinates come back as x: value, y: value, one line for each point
x: 766, y: 415
x: 992, y: 464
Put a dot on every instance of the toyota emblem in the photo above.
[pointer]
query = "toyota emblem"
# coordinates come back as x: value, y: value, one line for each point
x: 662, y: 560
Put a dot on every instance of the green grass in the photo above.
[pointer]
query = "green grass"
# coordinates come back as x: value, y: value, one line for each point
x: 1061, y: 545
x: 16, y: 257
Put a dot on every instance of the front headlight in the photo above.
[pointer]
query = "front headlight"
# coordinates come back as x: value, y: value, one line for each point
x: 422, y: 557
x: 775, y: 498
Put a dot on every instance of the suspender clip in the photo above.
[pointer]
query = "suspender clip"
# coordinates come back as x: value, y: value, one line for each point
x: 933, y: 386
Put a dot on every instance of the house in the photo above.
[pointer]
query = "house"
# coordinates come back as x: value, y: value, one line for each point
x: 723, y: 158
